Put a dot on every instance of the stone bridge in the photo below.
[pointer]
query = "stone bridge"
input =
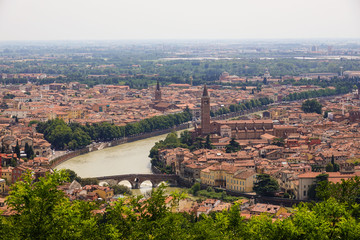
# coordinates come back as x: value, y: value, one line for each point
x: 136, y: 179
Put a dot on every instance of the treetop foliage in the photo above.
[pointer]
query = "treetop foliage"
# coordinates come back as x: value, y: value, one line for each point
x: 44, y: 212
x: 265, y: 185
x: 311, y: 105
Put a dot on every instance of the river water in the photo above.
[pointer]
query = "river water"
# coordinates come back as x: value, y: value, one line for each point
x: 127, y: 158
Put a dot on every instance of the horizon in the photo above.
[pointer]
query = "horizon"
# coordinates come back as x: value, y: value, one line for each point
x: 185, y: 40
x: 42, y: 20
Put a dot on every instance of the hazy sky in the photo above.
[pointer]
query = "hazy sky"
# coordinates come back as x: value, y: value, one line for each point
x: 185, y: 19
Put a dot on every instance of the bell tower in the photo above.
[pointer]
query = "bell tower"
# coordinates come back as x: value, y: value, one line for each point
x: 157, y: 92
x: 205, y: 112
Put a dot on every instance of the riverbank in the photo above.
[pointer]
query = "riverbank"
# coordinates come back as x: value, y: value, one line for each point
x: 98, y: 146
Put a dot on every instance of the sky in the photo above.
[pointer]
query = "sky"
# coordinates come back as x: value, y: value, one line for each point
x: 23, y: 20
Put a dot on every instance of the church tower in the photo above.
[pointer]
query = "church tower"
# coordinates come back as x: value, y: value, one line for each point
x: 157, y: 92
x: 205, y: 112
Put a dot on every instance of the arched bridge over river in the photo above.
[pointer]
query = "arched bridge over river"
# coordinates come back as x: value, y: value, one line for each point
x: 136, y: 179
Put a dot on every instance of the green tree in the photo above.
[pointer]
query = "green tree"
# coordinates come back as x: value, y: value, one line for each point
x: 336, y: 166
x: 329, y: 168
x: 72, y: 175
x: 43, y: 212
x: 17, y: 149
x: 265, y: 81
x: 121, y: 189
x: 265, y: 185
x: 233, y: 146
x: 88, y: 181
x: 208, y: 144
x: 317, y: 191
x: 310, y: 106
x: 326, y: 114
x: 279, y: 142
x: 185, y: 138
x: 29, y: 151
x: 195, y: 189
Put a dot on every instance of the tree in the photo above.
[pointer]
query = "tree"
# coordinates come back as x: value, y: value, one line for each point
x: 29, y: 151
x: 208, y: 144
x: 233, y: 146
x: 326, y: 114
x: 310, y: 106
x: 121, y: 189
x: 265, y: 185
x: 329, y: 168
x: 336, y: 166
x: 72, y: 175
x: 265, y: 81
x: 317, y: 190
x: 17, y: 149
x: 279, y: 142
x: 185, y: 138
x: 43, y: 211
x: 195, y: 189
x: 88, y: 181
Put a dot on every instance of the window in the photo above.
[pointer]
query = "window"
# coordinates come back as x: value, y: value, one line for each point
x: 304, y: 193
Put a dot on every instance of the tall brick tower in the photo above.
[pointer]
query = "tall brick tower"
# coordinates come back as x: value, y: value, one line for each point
x: 157, y: 92
x: 205, y: 112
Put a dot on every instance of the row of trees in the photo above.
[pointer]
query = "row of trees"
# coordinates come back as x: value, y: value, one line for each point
x: 74, y: 135
x: 310, y: 94
x: 340, y: 86
x: 247, y: 105
x: 42, y: 211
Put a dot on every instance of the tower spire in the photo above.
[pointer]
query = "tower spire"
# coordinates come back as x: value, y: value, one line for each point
x: 157, y: 85
x: 205, y: 92
x: 157, y: 92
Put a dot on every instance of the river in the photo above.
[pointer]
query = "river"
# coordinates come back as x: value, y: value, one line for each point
x: 122, y: 159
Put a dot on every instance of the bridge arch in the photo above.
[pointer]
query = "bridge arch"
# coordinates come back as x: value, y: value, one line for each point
x: 126, y: 183
x: 137, y: 179
x: 145, y: 183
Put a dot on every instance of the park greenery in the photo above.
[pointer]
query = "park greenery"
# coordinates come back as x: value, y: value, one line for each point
x: 42, y: 211
x: 73, y: 136
x: 311, y: 106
